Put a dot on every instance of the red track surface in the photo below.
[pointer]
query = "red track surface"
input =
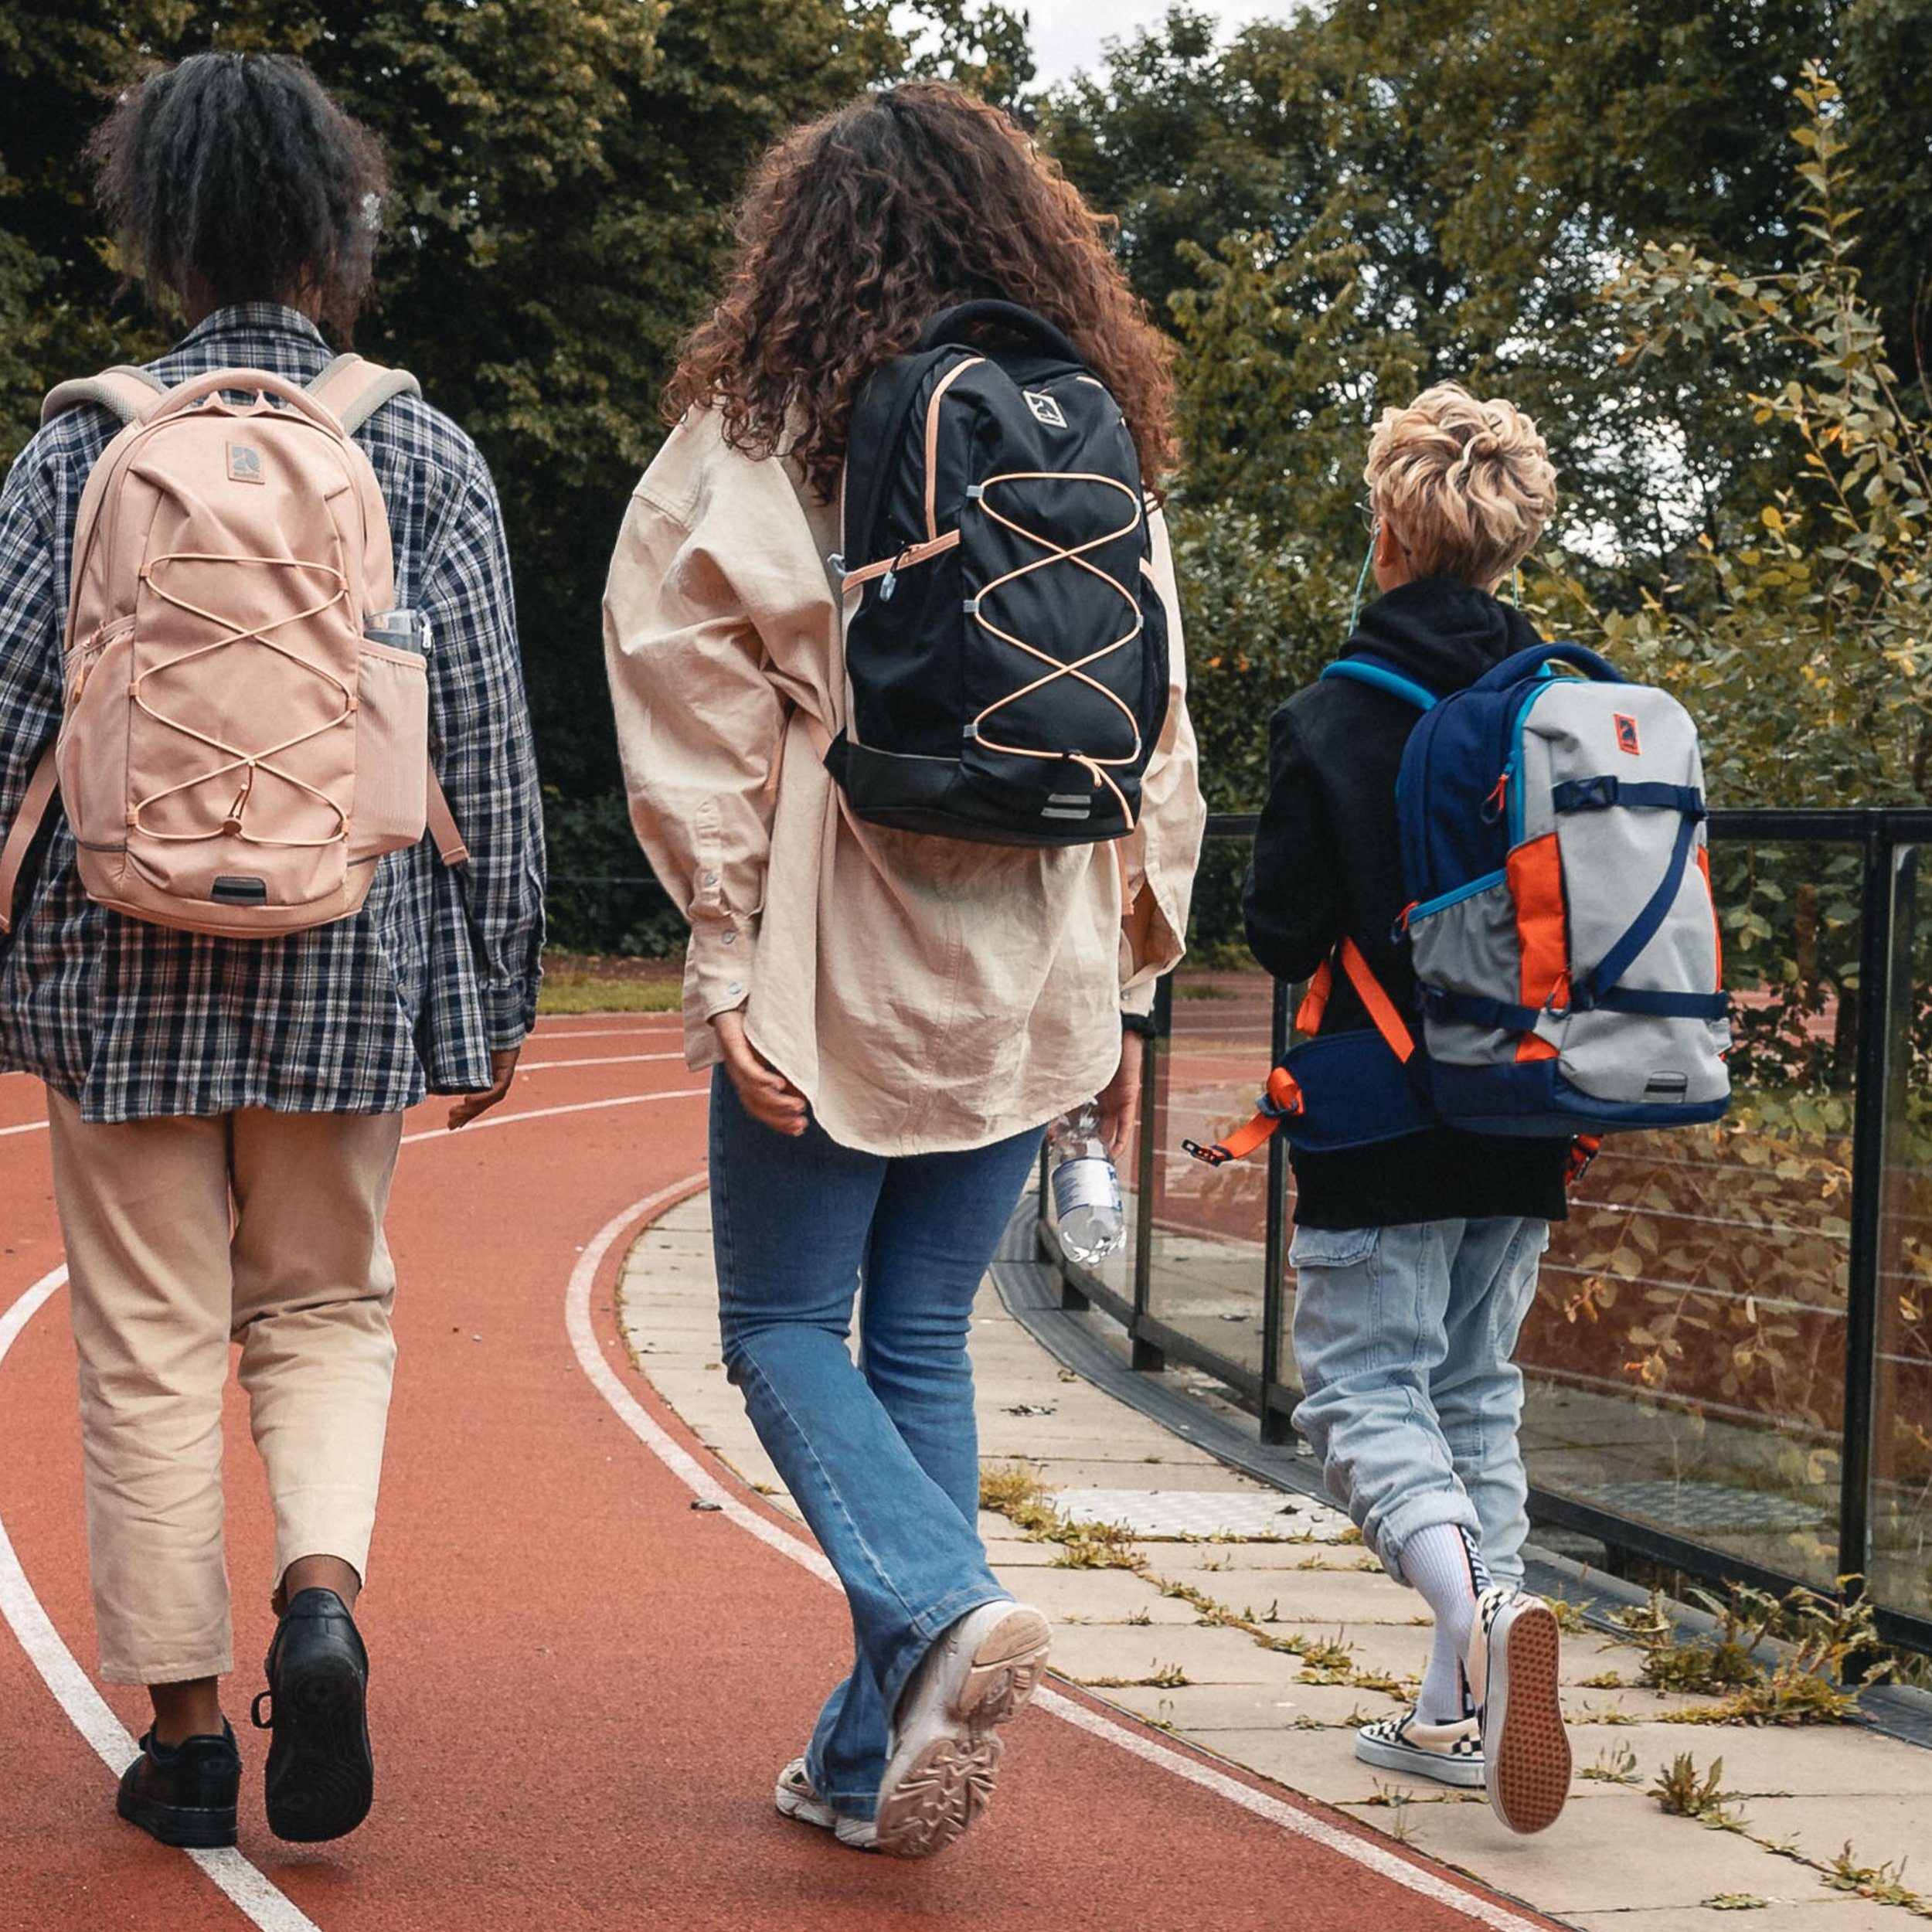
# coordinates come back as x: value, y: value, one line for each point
x: 581, y: 1688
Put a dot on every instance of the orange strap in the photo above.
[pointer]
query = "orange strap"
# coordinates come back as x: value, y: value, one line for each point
x: 33, y: 811
x: 1382, y: 1008
x: 1283, y: 1098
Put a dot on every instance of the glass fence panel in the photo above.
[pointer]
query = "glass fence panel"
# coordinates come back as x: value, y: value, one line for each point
x: 1901, y: 1565
x: 1685, y: 1360
x: 1209, y: 1224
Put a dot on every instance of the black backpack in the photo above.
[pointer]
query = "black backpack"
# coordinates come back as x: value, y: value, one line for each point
x: 1005, y: 651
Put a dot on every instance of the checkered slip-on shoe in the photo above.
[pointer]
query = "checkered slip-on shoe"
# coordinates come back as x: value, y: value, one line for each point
x: 796, y: 1797
x: 1513, y: 1671
x: 1449, y: 1754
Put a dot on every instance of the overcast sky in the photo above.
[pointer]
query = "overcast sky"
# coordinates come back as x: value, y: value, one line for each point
x: 1068, y: 34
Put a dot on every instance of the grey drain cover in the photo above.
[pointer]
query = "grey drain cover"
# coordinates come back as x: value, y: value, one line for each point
x: 1248, y: 1514
x: 1706, y: 1505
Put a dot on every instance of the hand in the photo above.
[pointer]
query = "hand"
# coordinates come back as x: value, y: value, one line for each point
x: 1120, y: 1100
x: 502, y: 1071
x: 767, y: 1096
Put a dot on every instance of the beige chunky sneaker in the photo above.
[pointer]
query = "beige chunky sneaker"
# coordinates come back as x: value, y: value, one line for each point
x: 1449, y: 1754
x: 1513, y: 1671
x: 945, y: 1756
x: 796, y: 1798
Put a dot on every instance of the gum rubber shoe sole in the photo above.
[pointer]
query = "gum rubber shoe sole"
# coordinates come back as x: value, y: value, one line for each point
x: 320, y: 1777
x: 1525, y: 1748
x: 934, y: 1799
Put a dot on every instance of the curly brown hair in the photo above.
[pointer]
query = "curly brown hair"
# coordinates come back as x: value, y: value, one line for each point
x: 858, y: 228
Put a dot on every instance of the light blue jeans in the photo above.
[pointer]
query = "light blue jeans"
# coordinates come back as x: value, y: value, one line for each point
x: 1403, y: 1336
x: 882, y: 1454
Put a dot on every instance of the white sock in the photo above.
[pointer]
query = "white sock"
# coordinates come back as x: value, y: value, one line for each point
x: 1444, y: 1696
x: 1443, y: 1563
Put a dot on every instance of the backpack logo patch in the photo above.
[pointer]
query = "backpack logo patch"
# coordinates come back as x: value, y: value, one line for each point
x: 244, y: 463
x: 1045, y: 409
x: 1626, y: 735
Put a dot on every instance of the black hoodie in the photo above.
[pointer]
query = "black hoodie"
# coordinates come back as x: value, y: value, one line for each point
x: 1327, y: 865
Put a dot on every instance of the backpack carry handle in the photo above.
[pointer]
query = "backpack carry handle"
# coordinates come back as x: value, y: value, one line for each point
x: 950, y: 325
x: 262, y: 382
x: 1525, y: 663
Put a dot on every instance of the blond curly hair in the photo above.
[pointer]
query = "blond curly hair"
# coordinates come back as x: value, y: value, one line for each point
x: 1466, y: 486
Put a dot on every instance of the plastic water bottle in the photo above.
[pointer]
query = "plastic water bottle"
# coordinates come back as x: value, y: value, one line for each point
x: 1086, y: 1190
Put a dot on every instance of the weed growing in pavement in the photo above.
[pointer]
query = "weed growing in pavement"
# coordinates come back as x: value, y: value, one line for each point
x: 1396, y: 1802
x: 1569, y: 1615
x: 1804, y: 1685
x: 1160, y: 1677
x: 1883, y: 1884
x: 1018, y: 1494
x: 1734, y: 1902
x: 1616, y: 1764
x: 1140, y: 1617
x: 1606, y: 1680
x: 1683, y: 1793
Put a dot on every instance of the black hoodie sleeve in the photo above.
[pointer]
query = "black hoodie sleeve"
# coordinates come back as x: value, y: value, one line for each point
x: 1294, y: 902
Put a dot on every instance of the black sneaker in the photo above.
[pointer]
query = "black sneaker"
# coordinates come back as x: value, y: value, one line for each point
x: 321, y: 1776
x: 184, y: 1793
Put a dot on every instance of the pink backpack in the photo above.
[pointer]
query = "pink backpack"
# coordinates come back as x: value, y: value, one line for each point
x: 242, y: 738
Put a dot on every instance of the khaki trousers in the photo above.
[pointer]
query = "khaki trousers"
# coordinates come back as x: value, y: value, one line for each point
x: 183, y: 1234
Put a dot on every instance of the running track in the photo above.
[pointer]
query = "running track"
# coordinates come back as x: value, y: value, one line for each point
x: 582, y: 1686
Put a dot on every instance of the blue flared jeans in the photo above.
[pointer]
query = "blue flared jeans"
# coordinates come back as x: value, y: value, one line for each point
x: 881, y: 1453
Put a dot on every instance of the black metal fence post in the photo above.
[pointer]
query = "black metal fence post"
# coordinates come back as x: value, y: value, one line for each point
x: 1145, y: 1354
x: 1870, y: 1102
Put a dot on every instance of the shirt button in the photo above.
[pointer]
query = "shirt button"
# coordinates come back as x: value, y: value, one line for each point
x: 711, y: 878
x: 734, y: 987
x: 731, y: 939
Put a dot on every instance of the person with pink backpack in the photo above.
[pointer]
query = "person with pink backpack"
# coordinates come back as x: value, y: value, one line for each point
x: 271, y: 871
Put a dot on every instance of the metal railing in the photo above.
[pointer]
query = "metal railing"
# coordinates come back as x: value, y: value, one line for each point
x: 1798, y: 1238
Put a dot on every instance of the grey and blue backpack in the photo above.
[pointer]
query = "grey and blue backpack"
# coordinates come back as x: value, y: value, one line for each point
x: 1566, y: 943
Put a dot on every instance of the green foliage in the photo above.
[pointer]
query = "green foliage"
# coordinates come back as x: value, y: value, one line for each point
x: 1823, y: 1639
x: 564, y: 172
x: 1801, y: 630
x: 1333, y: 210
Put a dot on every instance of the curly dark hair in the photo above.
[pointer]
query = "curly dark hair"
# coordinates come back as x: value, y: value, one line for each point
x: 858, y: 228
x: 235, y: 177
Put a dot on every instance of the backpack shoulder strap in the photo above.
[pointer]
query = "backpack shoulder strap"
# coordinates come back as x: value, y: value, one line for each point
x: 27, y: 823
x: 126, y: 391
x: 353, y: 390
x: 1382, y: 677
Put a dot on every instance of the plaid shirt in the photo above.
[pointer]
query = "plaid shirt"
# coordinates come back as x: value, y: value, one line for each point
x: 363, y: 1016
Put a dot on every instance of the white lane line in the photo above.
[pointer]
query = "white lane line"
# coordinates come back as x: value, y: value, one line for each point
x: 550, y: 1113
x: 608, y: 1060
x: 647, y: 1024
x: 682, y: 1464
x: 248, y: 1889
x: 539, y: 1067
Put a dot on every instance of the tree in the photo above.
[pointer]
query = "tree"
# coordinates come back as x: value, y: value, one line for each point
x: 564, y: 172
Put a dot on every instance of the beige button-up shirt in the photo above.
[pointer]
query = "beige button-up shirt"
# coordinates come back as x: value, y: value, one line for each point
x: 925, y: 994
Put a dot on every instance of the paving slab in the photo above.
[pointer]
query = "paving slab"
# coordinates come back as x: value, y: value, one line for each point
x: 1881, y: 1829
x: 1822, y: 1762
x: 1204, y: 1656
x: 1206, y: 1710
x: 1613, y: 1856
x: 1109, y: 1596
x: 1837, y: 1912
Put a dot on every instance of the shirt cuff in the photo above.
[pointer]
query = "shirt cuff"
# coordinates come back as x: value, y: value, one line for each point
x: 717, y: 968
x: 510, y: 1013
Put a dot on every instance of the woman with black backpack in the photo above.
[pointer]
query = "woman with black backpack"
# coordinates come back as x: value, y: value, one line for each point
x: 922, y: 778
